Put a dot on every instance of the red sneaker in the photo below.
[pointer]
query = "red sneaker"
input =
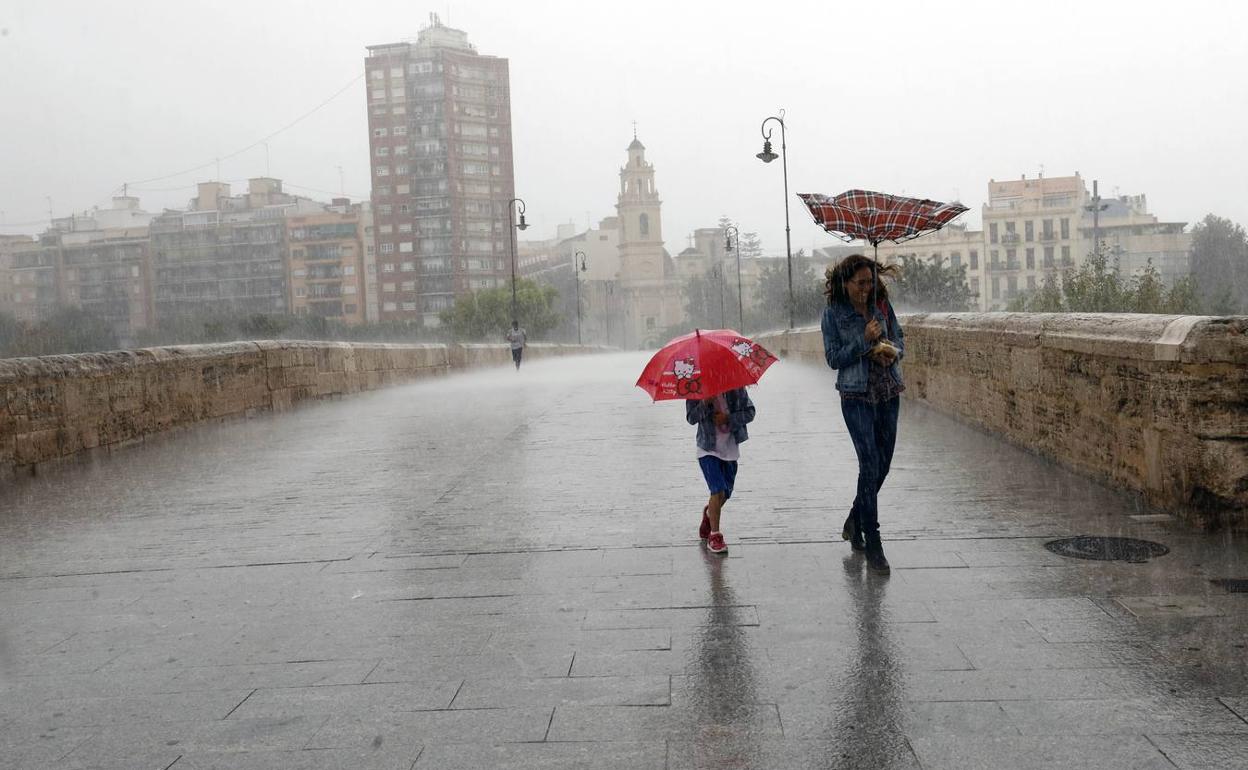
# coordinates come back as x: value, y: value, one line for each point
x: 715, y: 543
x: 705, y: 529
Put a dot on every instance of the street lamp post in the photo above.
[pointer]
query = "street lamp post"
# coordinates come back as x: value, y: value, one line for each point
x: 728, y: 239
x: 768, y: 156
x: 511, y: 220
x: 577, y: 277
x: 718, y: 272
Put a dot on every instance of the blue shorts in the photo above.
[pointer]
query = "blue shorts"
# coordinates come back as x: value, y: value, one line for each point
x: 720, y: 474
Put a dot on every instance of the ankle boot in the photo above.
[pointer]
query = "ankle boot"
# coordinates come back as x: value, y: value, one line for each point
x: 853, y: 533
x: 875, y: 554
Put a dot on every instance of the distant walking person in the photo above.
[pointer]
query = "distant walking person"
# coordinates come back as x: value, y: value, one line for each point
x: 518, y: 339
x: 721, y: 425
x: 863, y: 341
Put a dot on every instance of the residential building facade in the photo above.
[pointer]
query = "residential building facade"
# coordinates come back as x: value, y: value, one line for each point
x: 328, y: 268
x: 442, y: 174
x: 227, y: 255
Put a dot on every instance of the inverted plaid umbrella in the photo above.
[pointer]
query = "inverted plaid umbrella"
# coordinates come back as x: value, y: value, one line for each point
x: 875, y: 217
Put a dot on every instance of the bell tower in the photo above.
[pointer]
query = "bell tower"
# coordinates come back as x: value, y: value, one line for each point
x: 641, y: 224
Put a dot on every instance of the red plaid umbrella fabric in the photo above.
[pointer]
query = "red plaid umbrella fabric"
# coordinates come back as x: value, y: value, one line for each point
x: 876, y: 217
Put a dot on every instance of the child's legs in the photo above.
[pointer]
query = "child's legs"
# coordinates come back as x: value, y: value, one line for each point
x: 720, y: 478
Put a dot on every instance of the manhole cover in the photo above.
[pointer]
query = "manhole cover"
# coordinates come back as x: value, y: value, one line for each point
x: 1107, y: 548
x: 1232, y: 585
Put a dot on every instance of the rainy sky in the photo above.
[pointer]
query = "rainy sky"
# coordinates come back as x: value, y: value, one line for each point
x: 918, y: 98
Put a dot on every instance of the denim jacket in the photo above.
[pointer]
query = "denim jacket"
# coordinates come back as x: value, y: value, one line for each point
x: 740, y: 412
x: 845, y: 344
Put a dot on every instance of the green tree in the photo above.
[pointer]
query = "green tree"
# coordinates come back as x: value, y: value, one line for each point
x: 772, y: 294
x: 931, y: 285
x: 1183, y: 298
x: 1220, y: 264
x: 702, y: 295
x: 751, y: 246
x: 1146, y: 293
x: 1096, y: 287
x: 486, y: 315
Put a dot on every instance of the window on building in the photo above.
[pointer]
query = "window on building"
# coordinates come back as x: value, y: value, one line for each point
x: 382, y: 191
x: 1046, y: 229
x: 996, y: 287
x: 379, y: 132
x: 400, y: 130
x: 1011, y: 286
x: 974, y: 259
x: 387, y: 248
x: 994, y: 259
x: 1029, y: 230
x: 378, y: 74
x: 409, y: 305
x: 387, y: 267
x: 382, y: 152
x: 409, y: 267
x: 643, y: 224
x: 1066, y: 256
x: 1065, y: 227
x: 389, y: 307
x: 382, y: 171
x: 1031, y: 283
x: 402, y: 189
x: 992, y: 233
x: 388, y: 287
x: 408, y: 286
x: 1048, y: 256
x: 405, y: 247
x: 1011, y: 258
x: 1031, y: 259
x: 955, y: 259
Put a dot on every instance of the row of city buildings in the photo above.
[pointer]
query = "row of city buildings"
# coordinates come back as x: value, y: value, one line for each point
x: 259, y: 252
x: 441, y: 223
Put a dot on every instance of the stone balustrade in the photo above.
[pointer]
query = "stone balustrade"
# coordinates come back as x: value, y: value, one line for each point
x: 1155, y: 404
x: 57, y: 407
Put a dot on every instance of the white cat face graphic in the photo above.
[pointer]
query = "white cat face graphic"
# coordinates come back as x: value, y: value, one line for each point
x: 683, y: 368
x: 742, y: 348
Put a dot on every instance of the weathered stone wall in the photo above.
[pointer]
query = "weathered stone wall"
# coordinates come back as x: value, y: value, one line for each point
x: 55, y: 407
x: 1156, y: 404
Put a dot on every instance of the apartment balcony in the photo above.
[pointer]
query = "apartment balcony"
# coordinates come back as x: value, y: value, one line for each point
x: 1010, y: 238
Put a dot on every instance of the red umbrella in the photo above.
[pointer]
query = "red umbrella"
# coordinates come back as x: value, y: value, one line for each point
x: 704, y: 364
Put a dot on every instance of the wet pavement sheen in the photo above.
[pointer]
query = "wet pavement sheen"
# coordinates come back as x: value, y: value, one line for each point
x: 502, y: 570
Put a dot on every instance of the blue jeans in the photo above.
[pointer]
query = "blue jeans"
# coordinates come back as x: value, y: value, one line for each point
x: 873, y: 428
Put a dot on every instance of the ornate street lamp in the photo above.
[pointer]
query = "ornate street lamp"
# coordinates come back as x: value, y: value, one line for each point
x: 511, y: 214
x: 728, y: 240
x: 577, y: 277
x: 768, y: 156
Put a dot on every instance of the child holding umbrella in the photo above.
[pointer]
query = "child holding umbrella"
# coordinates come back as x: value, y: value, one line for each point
x: 710, y: 370
x: 721, y: 425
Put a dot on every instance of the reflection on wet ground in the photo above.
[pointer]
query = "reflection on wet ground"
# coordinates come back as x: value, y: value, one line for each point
x: 502, y: 570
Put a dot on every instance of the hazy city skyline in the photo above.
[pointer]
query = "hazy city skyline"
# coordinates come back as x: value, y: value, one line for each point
x: 895, y: 98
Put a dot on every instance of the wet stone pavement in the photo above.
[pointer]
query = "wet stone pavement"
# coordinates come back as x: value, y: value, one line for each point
x: 502, y: 570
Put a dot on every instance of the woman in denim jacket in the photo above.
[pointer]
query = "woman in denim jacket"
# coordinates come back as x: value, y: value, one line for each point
x: 863, y: 341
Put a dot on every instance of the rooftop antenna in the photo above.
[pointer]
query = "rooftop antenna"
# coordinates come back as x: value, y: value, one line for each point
x: 634, y: 130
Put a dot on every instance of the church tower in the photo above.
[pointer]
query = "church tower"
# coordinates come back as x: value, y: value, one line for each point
x: 651, y: 298
x: 641, y: 225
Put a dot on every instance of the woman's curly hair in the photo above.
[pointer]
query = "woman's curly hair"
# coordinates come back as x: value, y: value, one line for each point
x: 839, y: 274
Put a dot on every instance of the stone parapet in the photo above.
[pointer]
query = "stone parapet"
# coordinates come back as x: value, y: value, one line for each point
x: 56, y: 407
x: 1155, y: 404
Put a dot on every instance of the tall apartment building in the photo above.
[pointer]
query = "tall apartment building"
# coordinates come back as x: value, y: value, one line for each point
x: 439, y: 121
x: 227, y: 254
